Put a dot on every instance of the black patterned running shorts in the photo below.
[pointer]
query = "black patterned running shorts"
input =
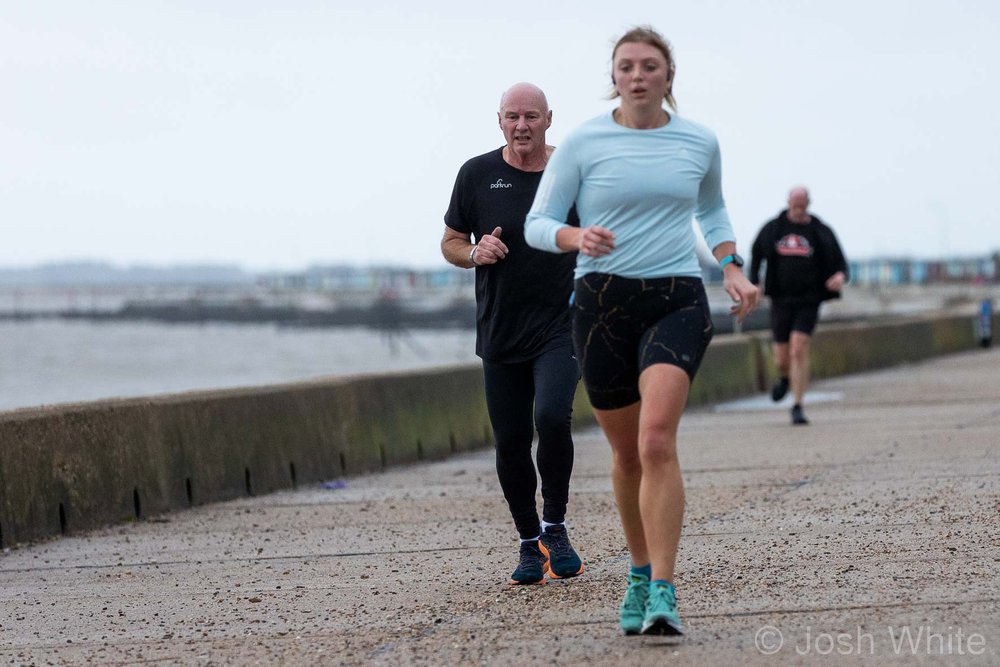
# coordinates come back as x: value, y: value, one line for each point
x: 621, y: 326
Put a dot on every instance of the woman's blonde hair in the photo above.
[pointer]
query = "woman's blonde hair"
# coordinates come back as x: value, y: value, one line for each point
x: 645, y: 34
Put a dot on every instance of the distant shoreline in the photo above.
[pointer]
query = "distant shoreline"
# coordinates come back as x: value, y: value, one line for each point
x: 418, y: 308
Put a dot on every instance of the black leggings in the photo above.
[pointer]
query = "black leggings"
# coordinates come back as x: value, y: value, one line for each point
x: 546, y: 383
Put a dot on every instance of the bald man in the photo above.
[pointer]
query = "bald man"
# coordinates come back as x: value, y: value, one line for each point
x: 804, y: 267
x: 522, y: 330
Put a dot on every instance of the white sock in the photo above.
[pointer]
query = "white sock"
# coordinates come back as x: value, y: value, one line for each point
x: 530, y: 539
x: 546, y: 524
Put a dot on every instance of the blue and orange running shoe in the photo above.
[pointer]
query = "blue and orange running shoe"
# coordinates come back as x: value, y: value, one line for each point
x: 563, y: 561
x: 531, y: 568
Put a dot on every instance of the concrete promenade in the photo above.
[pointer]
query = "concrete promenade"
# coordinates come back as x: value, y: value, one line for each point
x: 870, y: 537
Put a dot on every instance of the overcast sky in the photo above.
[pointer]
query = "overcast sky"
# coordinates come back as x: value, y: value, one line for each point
x: 278, y: 135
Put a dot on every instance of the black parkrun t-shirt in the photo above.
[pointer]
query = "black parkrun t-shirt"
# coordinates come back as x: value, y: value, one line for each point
x: 522, y: 301
x: 799, y: 264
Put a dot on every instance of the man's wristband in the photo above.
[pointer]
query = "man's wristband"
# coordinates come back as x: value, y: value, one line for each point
x: 472, y: 255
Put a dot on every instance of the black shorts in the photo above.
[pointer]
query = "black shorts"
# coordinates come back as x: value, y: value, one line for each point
x: 621, y: 326
x: 788, y: 317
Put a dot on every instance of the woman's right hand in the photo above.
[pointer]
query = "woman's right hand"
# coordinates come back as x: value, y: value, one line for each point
x: 595, y: 241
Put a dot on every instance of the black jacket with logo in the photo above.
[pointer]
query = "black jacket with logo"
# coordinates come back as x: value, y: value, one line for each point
x: 827, y: 255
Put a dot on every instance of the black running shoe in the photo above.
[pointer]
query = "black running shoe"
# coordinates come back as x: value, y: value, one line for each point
x: 798, y: 417
x: 531, y: 569
x: 563, y: 560
x: 779, y: 390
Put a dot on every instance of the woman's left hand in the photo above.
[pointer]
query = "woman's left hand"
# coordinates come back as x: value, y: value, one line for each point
x: 745, y: 295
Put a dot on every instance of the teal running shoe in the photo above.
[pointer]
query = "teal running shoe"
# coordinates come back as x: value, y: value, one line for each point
x: 531, y: 568
x: 563, y: 561
x: 633, y: 608
x: 661, y: 612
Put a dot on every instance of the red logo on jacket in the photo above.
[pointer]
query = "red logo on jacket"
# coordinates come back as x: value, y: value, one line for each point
x: 794, y: 245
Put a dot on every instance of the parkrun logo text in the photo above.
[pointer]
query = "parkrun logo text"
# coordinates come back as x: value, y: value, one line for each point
x: 500, y: 184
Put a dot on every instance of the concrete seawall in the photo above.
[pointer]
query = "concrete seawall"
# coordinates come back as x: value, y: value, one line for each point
x: 76, y: 467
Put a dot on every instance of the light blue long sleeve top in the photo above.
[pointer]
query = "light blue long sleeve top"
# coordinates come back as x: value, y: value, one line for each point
x: 642, y: 185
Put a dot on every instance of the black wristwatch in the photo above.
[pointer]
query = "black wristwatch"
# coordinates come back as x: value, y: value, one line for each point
x: 734, y: 258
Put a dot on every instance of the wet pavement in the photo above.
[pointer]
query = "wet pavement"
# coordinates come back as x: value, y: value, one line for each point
x: 870, y: 536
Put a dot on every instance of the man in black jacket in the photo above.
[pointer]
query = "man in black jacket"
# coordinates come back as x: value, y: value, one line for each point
x: 805, y: 266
